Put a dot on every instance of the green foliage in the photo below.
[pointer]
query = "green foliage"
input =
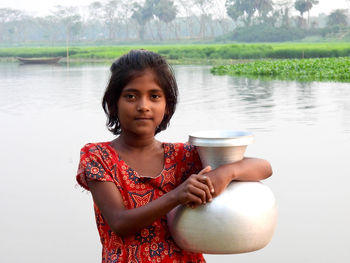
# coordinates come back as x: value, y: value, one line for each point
x: 320, y: 69
x: 245, y: 9
x: 201, y: 52
x: 337, y: 17
x: 217, y: 52
x: 35, y: 52
x: 266, y: 33
x: 165, y: 10
x: 309, y: 53
x: 302, y: 6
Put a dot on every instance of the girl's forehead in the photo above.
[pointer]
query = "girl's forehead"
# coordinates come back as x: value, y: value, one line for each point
x: 146, y: 78
x: 146, y: 74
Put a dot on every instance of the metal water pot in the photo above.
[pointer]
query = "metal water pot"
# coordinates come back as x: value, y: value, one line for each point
x: 241, y: 219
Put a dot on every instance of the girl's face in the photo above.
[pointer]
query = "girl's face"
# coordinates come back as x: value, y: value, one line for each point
x: 141, y: 105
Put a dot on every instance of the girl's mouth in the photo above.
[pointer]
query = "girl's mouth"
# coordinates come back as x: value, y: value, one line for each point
x: 143, y: 118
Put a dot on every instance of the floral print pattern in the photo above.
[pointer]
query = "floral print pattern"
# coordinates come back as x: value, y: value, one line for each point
x: 101, y: 162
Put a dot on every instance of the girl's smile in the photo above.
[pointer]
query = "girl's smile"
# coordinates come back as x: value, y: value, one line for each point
x: 142, y: 105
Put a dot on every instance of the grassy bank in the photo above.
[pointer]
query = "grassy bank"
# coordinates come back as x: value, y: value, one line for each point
x: 321, y: 69
x: 201, y: 53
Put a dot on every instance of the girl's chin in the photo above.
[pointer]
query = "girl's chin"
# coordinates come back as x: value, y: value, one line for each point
x: 141, y: 131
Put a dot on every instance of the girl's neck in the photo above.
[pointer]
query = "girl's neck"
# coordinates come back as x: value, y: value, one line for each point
x: 135, y: 143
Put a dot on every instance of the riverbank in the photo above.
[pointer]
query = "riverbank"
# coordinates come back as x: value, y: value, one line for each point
x: 182, y: 54
x: 109, y: 61
x: 320, y: 69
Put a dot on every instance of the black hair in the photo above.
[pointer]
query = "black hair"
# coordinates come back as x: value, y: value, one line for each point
x: 133, y: 65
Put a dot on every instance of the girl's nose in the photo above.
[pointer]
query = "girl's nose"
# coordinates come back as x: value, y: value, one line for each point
x: 143, y: 104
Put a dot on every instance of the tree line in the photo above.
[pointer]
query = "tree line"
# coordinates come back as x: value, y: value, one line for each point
x: 123, y: 21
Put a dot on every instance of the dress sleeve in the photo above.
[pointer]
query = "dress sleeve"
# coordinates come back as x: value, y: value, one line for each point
x: 92, y: 166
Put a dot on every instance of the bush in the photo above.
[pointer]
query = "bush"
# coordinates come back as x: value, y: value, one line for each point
x: 266, y: 33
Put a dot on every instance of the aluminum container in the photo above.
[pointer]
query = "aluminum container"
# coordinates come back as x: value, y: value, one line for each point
x: 241, y: 219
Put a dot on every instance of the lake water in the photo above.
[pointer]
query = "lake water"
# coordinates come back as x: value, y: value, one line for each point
x: 48, y: 113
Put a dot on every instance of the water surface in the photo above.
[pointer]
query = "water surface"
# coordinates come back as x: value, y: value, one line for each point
x: 48, y: 113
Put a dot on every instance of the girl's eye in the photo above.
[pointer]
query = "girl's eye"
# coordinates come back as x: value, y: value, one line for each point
x: 155, y: 96
x: 129, y: 96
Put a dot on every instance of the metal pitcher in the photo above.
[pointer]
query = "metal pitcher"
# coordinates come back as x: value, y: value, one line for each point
x: 241, y: 219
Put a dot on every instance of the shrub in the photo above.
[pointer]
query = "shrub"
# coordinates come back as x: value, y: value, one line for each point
x: 266, y: 33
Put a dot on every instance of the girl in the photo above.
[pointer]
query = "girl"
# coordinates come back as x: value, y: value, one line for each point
x: 136, y: 180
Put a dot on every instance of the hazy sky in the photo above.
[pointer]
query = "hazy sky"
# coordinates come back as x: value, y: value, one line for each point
x: 42, y: 7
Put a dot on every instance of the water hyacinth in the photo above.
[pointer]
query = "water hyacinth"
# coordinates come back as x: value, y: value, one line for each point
x: 318, y: 69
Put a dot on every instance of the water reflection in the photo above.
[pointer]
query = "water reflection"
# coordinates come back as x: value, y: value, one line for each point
x: 26, y: 88
x: 254, y: 91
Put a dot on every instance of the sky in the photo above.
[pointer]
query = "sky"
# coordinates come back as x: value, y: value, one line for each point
x: 43, y: 7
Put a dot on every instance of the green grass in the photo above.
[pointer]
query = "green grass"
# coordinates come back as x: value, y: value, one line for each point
x: 320, y: 69
x: 194, y: 52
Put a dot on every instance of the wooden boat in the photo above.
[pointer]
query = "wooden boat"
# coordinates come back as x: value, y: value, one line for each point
x: 39, y: 60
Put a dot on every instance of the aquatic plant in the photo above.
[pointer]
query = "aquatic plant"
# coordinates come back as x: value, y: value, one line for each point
x: 320, y: 69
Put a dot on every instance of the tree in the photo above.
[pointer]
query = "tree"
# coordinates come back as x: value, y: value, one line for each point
x: 311, y: 3
x: 95, y: 10
x: 110, y: 11
x: 283, y: 8
x: 165, y: 11
x: 70, y: 20
x: 241, y: 9
x: 48, y: 25
x: 187, y: 12
x: 221, y: 16
x: 142, y: 14
x: 305, y: 6
x: 337, y: 17
x: 95, y: 21
x: 301, y: 6
x: 203, y: 6
x: 126, y: 9
x: 246, y: 9
x: 264, y: 7
x: 8, y: 22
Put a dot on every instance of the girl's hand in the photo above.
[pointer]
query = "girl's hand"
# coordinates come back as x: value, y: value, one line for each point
x: 220, y: 178
x: 247, y: 169
x: 196, y: 190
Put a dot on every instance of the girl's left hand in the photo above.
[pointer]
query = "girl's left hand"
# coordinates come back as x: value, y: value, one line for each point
x: 247, y: 169
x: 220, y: 178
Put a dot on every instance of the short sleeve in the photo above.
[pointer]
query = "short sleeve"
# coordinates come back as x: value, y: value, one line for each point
x: 93, y: 166
x: 191, y: 163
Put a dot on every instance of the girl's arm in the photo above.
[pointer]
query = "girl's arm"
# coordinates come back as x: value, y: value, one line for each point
x: 248, y: 169
x: 129, y: 221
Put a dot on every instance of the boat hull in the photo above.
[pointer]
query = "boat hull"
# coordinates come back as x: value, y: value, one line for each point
x: 39, y: 60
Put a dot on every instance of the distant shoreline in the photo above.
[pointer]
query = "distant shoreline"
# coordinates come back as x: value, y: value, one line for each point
x: 187, y: 54
x: 172, y: 62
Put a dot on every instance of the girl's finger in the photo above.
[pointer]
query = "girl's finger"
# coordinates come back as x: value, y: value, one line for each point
x: 204, y: 187
x: 198, y: 190
x: 194, y: 199
x: 205, y: 170
x: 192, y: 205
x: 205, y: 179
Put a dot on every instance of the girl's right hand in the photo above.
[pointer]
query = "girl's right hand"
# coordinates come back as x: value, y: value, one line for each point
x: 196, y: 190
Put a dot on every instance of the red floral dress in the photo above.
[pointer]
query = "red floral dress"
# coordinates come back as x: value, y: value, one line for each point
x: 153, y: 243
